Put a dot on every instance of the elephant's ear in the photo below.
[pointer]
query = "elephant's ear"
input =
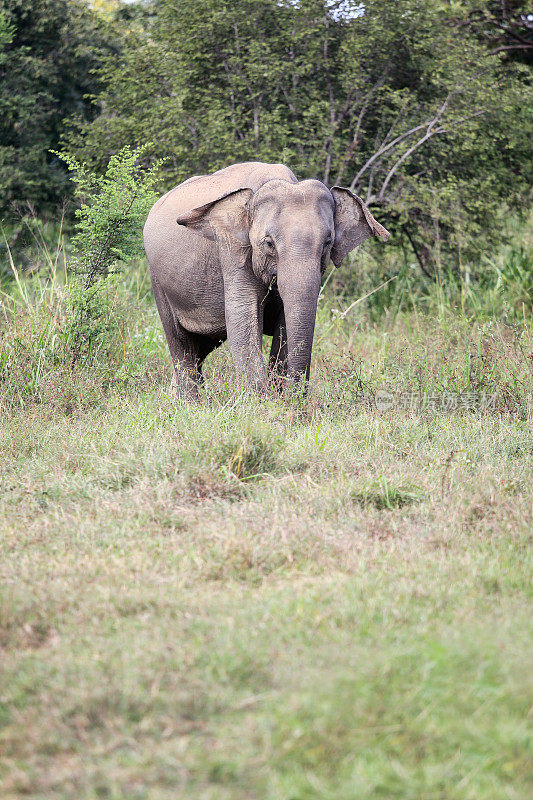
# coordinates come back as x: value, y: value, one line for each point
x: 353, y: 224
x: 225, y: 220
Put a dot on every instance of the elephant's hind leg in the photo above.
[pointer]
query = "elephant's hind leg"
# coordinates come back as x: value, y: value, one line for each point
x: 185, y: 349
x: 206, y: 345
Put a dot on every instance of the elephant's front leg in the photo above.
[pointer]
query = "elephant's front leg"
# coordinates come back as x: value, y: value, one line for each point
x: 244, y: 326
x: 277, y: 363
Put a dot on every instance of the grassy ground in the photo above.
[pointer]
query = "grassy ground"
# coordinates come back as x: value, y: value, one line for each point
x: 248, y: 598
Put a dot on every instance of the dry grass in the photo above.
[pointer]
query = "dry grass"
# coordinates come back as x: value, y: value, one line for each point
x: 248, y: 598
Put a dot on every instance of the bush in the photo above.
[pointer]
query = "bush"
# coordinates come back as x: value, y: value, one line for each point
x: 113, y: 208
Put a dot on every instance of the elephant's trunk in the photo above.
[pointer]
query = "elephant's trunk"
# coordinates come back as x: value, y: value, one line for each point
x: 299, y: 290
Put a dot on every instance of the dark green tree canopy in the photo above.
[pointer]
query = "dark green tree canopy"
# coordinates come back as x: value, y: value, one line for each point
x: 423, y: 107
x: 404, y: 102
x: 505, y: 25
x: 49, y: 50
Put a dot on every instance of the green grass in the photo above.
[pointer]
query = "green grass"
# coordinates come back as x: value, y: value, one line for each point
x: 245, y: 598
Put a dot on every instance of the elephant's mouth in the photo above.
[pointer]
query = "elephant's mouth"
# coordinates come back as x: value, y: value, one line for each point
x: 273, y: 280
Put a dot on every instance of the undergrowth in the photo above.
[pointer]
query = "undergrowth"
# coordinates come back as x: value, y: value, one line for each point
x: 472, y: 359
x: 321, y: 597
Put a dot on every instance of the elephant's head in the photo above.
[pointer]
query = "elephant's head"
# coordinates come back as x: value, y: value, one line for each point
x: 287, y: 232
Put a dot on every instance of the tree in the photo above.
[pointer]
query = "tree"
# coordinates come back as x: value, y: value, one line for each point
x: 49, y: 50
x: 404, y: 102
x: 505, y: 25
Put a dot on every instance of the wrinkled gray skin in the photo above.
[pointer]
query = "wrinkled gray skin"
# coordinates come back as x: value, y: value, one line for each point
x: 240, y: 253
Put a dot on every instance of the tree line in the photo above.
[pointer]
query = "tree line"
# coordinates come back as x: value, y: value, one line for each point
x: 421, y: 107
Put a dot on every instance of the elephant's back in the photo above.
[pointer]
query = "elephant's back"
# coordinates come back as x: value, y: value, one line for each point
x: 168, y: 244
x: 203, y: 189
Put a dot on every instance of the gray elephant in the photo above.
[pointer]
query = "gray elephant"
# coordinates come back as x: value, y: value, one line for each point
x: 240, y: 253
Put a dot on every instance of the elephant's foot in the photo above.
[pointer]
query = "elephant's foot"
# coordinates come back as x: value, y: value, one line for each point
x: 183, y: 387
x: 290, y: 388
x: 276, y: 385
x: 253, y: 383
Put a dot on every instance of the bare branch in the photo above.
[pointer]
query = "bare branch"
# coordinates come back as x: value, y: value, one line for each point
x: 511, y: 47
x: 353, y: 144
x: 370, y: 182
x: 417, y: 254
x: 384, y: 148
x: 431, y: 131
x: 428, y: 134
x: 331, y: 96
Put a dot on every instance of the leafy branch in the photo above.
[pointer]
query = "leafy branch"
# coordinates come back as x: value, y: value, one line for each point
x: 113, y: 207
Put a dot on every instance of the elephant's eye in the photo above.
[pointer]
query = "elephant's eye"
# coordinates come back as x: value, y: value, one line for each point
x: 328, y: 241
x: 269, y: 244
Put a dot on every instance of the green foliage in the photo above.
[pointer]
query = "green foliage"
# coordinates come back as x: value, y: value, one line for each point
x: 382, y: 494
x: 91, y: 326
x: 504, y: 26
x: 108, y: 233
x: 62, y: 345
x: 404, y: 102
x: 49, y: 50
x: 113, y: 208
x: 422, y: 108
x: 6, y: 36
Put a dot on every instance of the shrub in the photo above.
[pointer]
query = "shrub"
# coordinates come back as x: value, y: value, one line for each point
x: 113, y: 208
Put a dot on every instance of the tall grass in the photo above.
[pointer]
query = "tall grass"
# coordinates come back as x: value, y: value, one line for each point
x: 499, y: 286
x: 485, y: 348
x: 250, y: 597
x: 38, y: 320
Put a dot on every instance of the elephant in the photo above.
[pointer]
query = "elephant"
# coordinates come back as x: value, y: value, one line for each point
x: 240, y: 253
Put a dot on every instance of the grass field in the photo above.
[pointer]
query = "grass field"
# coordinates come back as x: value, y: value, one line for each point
x: 264, y: 598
